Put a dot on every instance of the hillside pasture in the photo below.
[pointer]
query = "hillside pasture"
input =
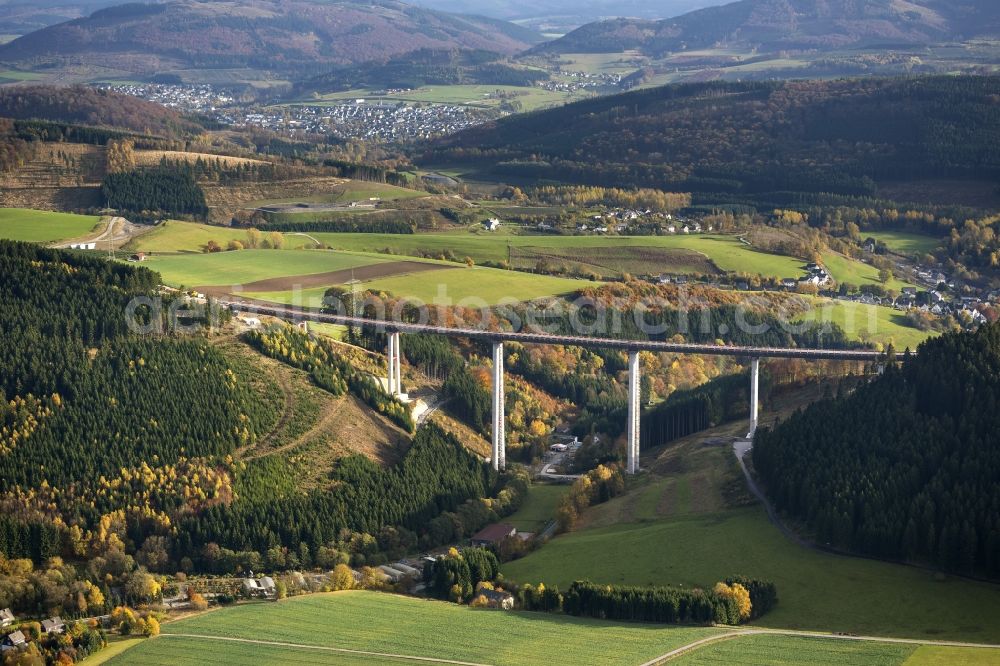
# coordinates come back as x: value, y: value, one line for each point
x: 652, y: 254
x: 42, y: 226
x: 250, y: 266
x: 681, y: 523
x: 867, y: 323
x: 856, y: 272
x: 455, y: 285
x: 905, y: 243
x: 177, y: 236
x: 538, y: 509
x: 390, y: 624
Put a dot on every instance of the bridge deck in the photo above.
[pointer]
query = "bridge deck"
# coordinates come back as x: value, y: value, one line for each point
x: 300, y: 314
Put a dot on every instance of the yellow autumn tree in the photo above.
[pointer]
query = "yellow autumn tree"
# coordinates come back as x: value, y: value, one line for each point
x: 738, y: 593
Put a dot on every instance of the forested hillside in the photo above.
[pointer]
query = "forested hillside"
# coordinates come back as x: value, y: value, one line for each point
x: 752, y: 141
x: 123, y: 448
x: 295, y: 37
x: 906, y: 467
x: 83, y: 105
x: 771, y: 25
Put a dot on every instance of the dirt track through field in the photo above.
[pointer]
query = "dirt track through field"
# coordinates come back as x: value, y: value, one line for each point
x: 322, y: 648
x: 363, y: 273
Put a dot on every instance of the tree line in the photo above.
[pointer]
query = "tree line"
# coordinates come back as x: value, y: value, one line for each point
x: 904, y: 467
x: 164, y: 189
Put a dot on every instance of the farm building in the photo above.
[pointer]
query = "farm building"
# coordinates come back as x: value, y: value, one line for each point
x: 407, y: 569
x: 53, y: 625
x: 14, y: 640
x: 6, y: 617
x: 493, y: 534
x: 262, y: 587
x: 394, y: 575
x: 89, y: 245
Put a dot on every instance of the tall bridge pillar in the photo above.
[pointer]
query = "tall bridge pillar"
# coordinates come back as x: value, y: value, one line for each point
x: 499, y: 436
x: 754, y: 392
x: 634, y: 411
x: 399, y: 365
x: 395, y: 384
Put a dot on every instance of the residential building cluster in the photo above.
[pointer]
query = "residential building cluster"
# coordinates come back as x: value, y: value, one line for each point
x: 203, y: 99
x: 354, y: 119
x: 574, y: 81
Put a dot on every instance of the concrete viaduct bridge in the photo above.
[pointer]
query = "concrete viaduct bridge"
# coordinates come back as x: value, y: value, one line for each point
x: 497, y: 338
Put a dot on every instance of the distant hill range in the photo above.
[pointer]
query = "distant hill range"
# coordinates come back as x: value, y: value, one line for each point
x: 762, y: 144
x: 295, y: 38
x: 19, y: 17
x: 582, y: 10
x: 772, y: 25
x: 426, y: 67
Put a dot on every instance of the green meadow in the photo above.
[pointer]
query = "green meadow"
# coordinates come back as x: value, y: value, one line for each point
x: 244, y: 266
x: 454, y: 285
x: 42, y: 226
x: 384, y: 623
x: 868, y: 323
x: 904, y: 242
x: 675, y: 526
x: 538, y: 509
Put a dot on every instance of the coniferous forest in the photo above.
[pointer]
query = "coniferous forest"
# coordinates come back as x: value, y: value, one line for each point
x: 116, y: 444
x: 905, y: 467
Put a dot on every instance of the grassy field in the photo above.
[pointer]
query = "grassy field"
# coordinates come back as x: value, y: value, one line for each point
x: 42, y: 226
x: 856, y: 272
x: 402, y: 625
x: 679, y: 525
x: 455, y: 285
x: 116, y: 646
x: 800, y: 650
x: 475, y: 286
x: 726, y: 252
x: 229, y: 268
x: 905, y: 243
x: 176, y: 236
x: 605, y: 255
x: 869, y: 323
x: 805, y: 650
x: 936, y: 655
x: 538, y: 509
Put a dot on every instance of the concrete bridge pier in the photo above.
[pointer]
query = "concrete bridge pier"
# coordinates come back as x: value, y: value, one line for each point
x: 499, y: 436
x: 395, y: 384
x: 754, y: 393
x: 634, y: 412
